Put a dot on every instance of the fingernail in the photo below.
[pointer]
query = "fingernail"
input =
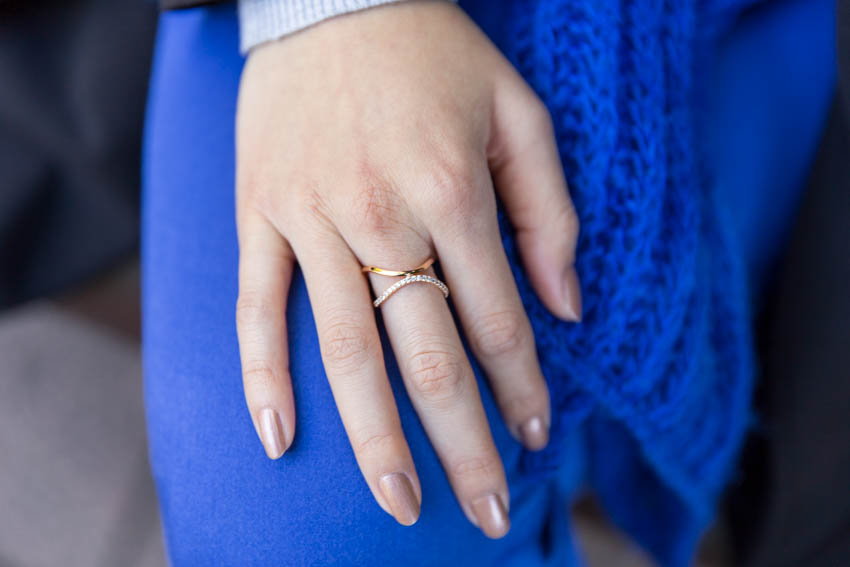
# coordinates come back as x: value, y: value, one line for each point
x: 491, y: 515
x: 534, y: 434
x: 572, y: 295
x: 272, y: 434
x: 398, y: 492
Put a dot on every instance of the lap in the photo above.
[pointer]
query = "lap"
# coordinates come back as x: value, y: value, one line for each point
x: 223, y: 502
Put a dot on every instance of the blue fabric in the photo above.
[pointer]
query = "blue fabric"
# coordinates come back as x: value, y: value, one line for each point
x: 763, y: 127
x: 651, y: 391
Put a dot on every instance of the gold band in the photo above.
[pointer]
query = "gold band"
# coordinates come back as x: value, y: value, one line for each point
x: 396, y: 274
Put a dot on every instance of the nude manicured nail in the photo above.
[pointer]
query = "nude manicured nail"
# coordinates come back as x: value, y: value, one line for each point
x: 534, y: 434
x: 572, y: 295
x: 398, y: 492
x: 491, y: 515
x: 272, y: 434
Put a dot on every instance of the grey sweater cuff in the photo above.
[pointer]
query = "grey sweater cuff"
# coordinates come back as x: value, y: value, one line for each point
x: 265, y: 20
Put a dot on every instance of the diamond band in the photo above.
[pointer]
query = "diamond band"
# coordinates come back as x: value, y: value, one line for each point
x: 407, y: 281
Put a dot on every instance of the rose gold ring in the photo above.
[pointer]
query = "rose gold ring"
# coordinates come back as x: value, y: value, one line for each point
x: 398, y: 274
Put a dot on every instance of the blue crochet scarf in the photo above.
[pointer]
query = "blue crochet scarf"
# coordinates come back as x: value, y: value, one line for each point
x: 658, y: 376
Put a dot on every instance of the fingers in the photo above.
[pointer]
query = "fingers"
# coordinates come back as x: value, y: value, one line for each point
x: 265, y: 271
x: 530, y: 181
x: 493, y: 317
x: 354, y: 363
x: 436, y: 372
x: 443, y: 389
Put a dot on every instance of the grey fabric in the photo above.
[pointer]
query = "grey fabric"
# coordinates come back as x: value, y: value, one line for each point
x: 75, y: 488
x: 266, y: 20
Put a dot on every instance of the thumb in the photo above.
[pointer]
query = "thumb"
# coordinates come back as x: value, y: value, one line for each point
x: 529, y: 179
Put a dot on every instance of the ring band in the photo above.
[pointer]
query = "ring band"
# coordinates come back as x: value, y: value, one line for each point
x: 394, y: 273
x: 407, y: 281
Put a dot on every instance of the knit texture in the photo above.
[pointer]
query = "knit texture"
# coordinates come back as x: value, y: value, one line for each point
x: 266, y: 20
x: 658, y: 376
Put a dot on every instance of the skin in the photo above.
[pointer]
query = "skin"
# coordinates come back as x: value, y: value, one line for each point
x: 382, y: 138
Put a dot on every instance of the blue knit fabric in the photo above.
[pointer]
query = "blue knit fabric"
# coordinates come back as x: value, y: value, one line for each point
x: 660, y: 370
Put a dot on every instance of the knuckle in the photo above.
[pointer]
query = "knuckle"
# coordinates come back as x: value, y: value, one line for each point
x: 254, y: 197
x: 501, y: 333
x: 437, y: 377
x: 371, y: 443
x: 247, y: 212
x: 345, y: 345
x: 258, y: 376
x: 308, y: 208
x: 486, y: 466
x: 453, y: 189
x: 377, y: 208
x: 252, y: 309
x: 250, y: 182
x: 539, y: 117
x: 568, y: 222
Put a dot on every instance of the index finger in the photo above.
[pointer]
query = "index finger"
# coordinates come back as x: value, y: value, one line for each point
x: 265, y: 271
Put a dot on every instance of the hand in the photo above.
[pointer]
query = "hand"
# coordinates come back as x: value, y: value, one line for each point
x: 370, y: 139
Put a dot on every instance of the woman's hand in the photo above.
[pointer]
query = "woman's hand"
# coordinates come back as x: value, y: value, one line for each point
x: 371, y: 139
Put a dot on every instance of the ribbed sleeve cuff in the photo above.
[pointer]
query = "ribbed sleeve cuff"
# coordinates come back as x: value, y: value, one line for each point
x: 266, y: 20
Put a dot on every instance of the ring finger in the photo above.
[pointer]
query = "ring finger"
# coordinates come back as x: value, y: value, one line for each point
x: 442, y: 387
